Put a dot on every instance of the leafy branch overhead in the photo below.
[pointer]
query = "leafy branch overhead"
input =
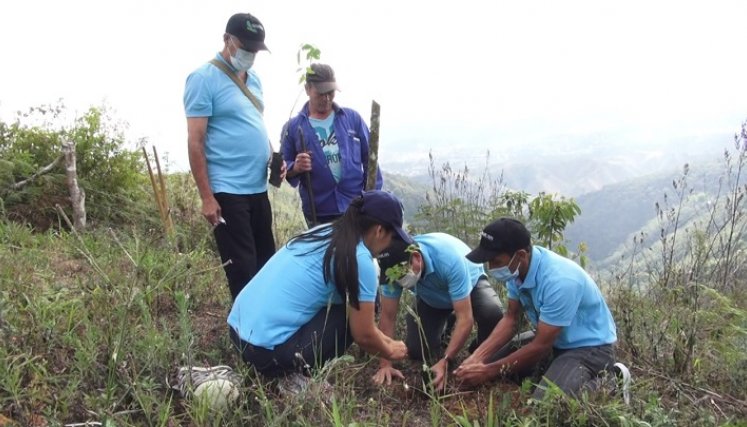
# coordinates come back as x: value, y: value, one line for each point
x: 310, y: 53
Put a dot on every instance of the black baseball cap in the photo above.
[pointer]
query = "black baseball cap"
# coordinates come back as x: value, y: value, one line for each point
x: 248, y: 30
x: 502, y: 236
x: 393, y: 255
x: 387, y: 208
x: 322, y: 77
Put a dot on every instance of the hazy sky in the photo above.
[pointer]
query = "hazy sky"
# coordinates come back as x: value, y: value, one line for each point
x: 444, y: 72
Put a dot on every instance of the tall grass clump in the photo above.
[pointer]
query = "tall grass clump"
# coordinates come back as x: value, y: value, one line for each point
x: 680, y: 302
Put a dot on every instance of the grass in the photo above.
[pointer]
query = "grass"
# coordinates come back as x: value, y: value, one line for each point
x: 95, y: 325
x: 94, y: 328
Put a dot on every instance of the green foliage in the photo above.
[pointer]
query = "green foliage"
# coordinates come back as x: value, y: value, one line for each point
x: 550, y: 217
x: 461, y: 205
x: 306, y: 54
x: 111, y: 175
x: 398, y: 271
x: 680, y: 302
x: 458, y: 204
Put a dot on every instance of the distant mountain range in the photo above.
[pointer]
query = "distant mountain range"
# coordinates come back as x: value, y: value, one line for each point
x: 562, y: 165
x: 617, y: 192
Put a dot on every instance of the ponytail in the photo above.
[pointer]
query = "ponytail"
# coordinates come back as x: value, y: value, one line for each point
x: 341, y: 253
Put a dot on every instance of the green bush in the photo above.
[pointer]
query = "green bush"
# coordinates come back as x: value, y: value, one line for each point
x: 111, y: 175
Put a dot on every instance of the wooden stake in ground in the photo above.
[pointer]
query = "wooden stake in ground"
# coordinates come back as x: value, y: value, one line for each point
x: 159, y: 192
x: 373, y: 146
x: 77, y: 195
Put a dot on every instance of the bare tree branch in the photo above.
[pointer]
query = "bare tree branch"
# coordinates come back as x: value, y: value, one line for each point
x: 40, y: 172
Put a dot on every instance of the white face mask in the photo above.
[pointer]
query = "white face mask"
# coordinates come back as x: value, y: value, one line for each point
x: 409, y: 280
x: 242, y: 60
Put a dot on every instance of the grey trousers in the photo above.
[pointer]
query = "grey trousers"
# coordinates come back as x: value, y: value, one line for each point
x: 572, y: 370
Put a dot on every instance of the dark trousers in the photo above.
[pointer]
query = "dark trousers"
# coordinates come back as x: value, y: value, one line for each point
x: 246, y: 238
x: 324, y: 337
x: 426, y: 344
x: 572, y: 370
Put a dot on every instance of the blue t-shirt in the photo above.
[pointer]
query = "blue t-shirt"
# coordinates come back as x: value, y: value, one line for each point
x: 289, y: 290
x: 560, y: 293
x: 325, y: 131
x: 237, y: 148
x: 449, y: 275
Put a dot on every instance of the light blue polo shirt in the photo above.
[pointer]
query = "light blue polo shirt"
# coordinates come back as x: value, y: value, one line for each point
x: 236, y: 147
x: 289, y: 290
x: 560, y: 293
x: 449, y: 275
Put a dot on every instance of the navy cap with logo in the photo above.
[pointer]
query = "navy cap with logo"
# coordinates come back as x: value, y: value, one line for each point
x: 502, y: 236
x: 248, y: 30
x: 322, y: 77
x: 387, y: 208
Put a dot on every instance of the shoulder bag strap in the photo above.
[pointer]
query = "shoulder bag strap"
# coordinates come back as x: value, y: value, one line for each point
x: 223, y: 67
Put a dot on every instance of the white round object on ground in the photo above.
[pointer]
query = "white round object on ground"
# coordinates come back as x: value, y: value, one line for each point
x: 217, y: 393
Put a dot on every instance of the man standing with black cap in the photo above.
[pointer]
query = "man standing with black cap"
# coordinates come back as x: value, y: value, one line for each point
x: 330, y: 144
x: 229, y: 150
x: 575, y: 331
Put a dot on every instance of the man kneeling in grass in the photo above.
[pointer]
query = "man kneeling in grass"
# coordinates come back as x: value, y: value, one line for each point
x: 575, y: 331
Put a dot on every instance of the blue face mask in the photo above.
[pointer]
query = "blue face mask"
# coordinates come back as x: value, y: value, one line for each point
x: 504, y: 274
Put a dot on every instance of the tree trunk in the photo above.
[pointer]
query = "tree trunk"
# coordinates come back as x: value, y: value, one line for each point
x: 77, y: 195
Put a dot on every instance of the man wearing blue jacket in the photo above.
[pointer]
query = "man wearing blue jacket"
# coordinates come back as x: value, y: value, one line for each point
x: 333, y: 150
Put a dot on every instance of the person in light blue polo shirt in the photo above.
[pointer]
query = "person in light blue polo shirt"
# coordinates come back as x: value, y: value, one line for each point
x: 575, y: 331
x: 316, y: 295
x: 445, y: 283
x: 229, y: 151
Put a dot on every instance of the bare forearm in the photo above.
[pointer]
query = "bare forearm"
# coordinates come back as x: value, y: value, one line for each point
x: 198, y: 165
x: 459, y: 336
x: 500, y: 336
x: 376, y: 343
x: 386, y: 325
x: 525, y: 357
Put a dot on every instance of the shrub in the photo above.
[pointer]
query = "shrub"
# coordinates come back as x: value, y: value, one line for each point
x: 110, y: 174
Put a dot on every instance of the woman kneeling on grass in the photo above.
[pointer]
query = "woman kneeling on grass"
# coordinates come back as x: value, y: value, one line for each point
x: 292, y: 314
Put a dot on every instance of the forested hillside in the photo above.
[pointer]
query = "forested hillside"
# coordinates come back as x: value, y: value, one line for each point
x: 612, y: 216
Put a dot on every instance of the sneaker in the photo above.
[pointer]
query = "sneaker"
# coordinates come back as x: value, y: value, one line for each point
x: 293, y: 384
x: 623, y: 374
x: 188, y: 378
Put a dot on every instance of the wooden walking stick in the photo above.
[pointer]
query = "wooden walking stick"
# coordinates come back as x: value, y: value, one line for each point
x: 373, y: 147
x: 307, y: 176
